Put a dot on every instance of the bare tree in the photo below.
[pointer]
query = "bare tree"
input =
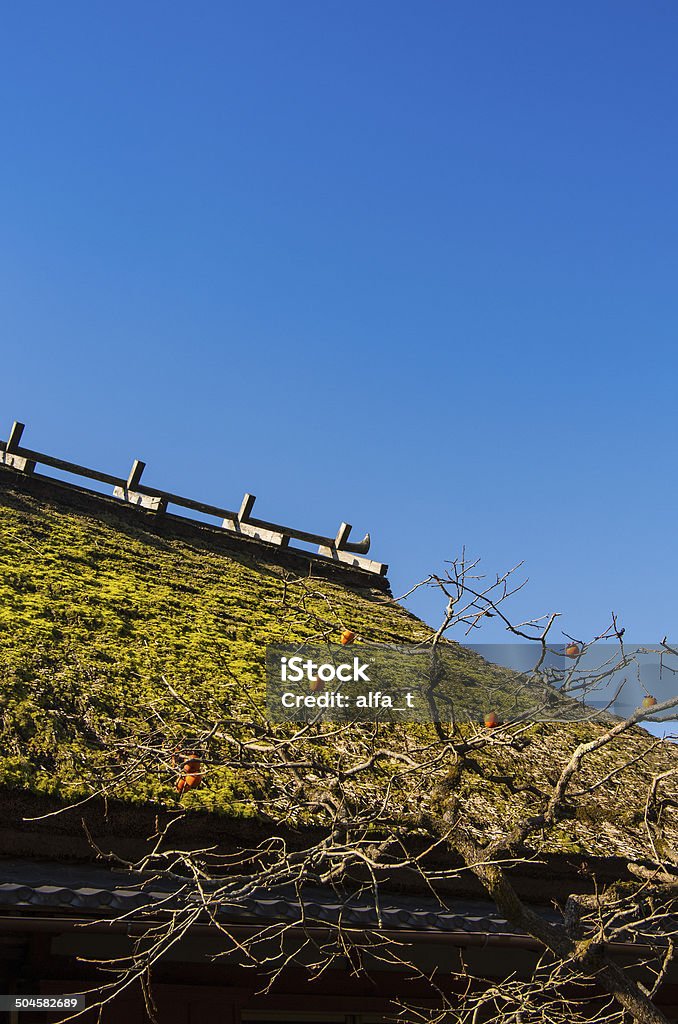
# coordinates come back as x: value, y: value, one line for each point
x: 385, y: 799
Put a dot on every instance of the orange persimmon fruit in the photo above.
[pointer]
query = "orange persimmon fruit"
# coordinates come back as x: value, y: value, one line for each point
x: 191, y: 775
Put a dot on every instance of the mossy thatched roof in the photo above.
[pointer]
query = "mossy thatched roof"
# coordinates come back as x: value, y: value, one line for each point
x: 105, y: 610
x: 101, y: 605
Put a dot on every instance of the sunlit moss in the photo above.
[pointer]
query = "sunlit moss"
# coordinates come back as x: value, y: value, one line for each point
x: 94, y: 613
x: 99, y: 613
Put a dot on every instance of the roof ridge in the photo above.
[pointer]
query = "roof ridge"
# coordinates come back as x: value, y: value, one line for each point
x: 131, y: 491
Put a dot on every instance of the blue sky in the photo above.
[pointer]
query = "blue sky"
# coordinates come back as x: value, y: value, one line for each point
x: 413, y: 266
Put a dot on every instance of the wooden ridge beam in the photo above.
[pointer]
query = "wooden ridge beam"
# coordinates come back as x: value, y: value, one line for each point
x: 133, y: 492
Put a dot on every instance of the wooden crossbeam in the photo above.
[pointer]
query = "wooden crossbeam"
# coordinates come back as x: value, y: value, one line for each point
x: 246, y: 507
x: 243, y: 524
x: 342, y: 535
x: 10, y: 456
x: 15, y: 436
x: 134, y: 478
x: 130, y: 491
x: 342, y: 543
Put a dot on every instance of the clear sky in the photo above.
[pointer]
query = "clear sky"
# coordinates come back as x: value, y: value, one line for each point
x: 409, y: 265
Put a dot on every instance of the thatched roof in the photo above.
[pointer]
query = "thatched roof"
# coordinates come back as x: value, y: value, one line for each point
x: 104, y: 605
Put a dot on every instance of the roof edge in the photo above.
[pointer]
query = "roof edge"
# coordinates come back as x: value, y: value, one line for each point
x: 86, y: 501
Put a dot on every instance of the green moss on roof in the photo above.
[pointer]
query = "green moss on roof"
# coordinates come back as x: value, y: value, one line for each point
x: 101, y: 608
x: 96, y: 612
